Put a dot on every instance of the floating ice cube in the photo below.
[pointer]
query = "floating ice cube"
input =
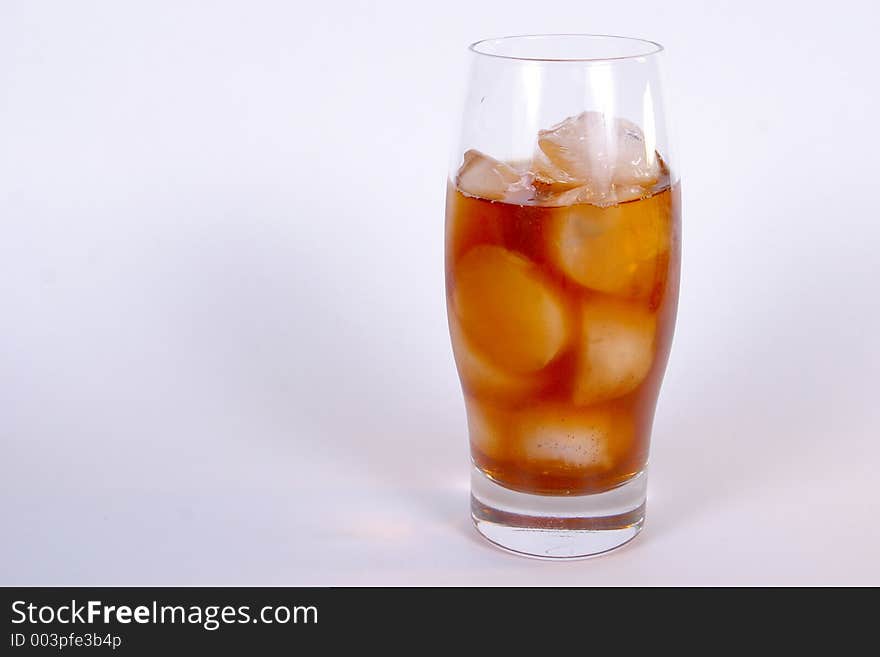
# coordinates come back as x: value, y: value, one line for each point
x: 616, y: 350
x: 480, y: 376
x: 596, y: 151
x: 486, y: 177
x: 615, y: 194
x: 556, y: 434
x: 614, y: 249
x: 507, y: 311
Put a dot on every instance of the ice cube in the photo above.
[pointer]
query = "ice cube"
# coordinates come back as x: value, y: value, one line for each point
x: 552, y: 197
x: 558, y: 435
x: 615, y: 249
x: 486, y: 177
x: 487, y: 428
x: 479, y: 376
x: 507, y: 310
x: 597, y: 151
x: 616, y: 350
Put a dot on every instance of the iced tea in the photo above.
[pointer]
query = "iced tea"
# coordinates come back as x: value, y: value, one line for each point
x: 562, y: 283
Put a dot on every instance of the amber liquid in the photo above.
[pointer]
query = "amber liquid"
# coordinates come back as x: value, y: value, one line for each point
x: 562, y: 320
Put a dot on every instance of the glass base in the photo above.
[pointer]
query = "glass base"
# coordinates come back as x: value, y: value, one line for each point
x: 558, y: 527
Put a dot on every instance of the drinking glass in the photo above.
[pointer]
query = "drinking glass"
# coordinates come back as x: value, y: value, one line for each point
x: 562, y: 275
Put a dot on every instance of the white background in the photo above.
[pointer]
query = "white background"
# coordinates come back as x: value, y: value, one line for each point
x: 223, y: 348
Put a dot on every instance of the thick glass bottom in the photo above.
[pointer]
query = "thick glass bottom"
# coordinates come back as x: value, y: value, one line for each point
x: 558, y: 527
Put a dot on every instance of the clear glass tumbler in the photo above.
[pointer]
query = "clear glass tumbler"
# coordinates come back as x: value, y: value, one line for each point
x: 562, y: 273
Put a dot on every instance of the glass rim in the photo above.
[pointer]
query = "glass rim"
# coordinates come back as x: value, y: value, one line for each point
x: 651, y: 47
